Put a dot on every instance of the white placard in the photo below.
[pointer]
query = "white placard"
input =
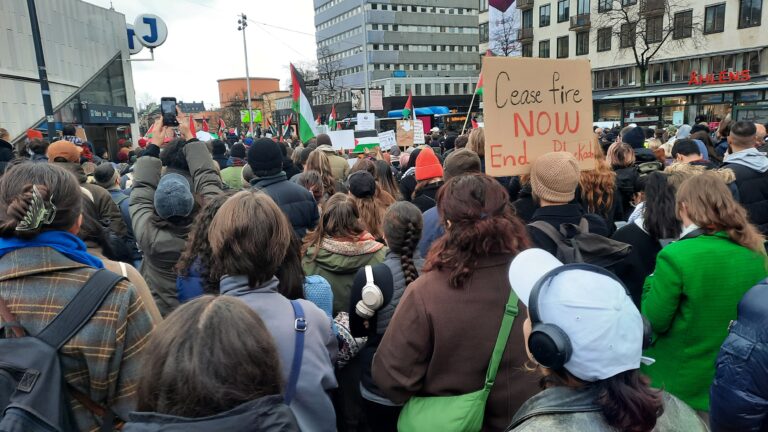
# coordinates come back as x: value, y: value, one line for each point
x: 322, y: 129
x: 365, y: 121
x: 387, y: 140
x: 418, y: 132
x: 342, y: 139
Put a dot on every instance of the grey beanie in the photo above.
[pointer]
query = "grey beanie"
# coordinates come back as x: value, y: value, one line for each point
x: 173, y: 197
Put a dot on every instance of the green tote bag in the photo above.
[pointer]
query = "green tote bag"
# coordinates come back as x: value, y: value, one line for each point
x: 462, y: 413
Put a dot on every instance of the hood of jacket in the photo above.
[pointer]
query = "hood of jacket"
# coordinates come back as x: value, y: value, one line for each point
x: 690, y: 170
x: 267, y: 414
x: 344, y: 257
x: 750, y: 158
x: 752, y: 321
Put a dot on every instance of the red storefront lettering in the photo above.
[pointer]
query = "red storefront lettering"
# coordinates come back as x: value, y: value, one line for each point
x: 696, y: 78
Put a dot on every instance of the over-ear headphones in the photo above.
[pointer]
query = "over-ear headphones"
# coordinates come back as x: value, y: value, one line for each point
x: 548, y: 343
x: 372, y: 298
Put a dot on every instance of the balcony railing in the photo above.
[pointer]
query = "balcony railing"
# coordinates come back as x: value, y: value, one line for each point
x: 524, y: 4
x: 525, y: 35
x: 651, y: 7
x: 580, y: 22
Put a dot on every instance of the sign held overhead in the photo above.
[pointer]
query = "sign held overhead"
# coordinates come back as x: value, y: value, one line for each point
x: 536, y: 106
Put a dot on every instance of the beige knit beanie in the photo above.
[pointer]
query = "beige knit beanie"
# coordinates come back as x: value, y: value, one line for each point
x: 554, y: 177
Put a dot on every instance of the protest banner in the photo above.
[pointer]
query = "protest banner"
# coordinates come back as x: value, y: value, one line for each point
x: 342, y: 139
x: 536, y: 106
x: 387, y: 140
x: 418, y: 132
x: 404, y: 133
x: 365, y: 121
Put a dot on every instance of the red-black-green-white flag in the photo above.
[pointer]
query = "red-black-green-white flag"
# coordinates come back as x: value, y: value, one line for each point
x: 332, y: 119
x: 408, y: 110
x: 479, y: 88
x: 302, y: 107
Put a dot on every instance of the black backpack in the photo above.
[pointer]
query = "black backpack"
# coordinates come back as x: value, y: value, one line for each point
x: 33, y: 394
x: 575, y: 244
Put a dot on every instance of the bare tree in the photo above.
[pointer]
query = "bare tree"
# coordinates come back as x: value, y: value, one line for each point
x: 231, y: 112
x: 329, y: 70
x: 647, y: 28
x: 503, y: 40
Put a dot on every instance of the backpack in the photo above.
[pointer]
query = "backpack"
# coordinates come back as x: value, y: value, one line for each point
x: 575, y: 244
x: 645, y: 168
x: 33, y: 394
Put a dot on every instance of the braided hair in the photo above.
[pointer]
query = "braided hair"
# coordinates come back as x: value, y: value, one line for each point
x: 403, y: 224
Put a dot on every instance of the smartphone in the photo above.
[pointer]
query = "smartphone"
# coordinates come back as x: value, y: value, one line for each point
x: 168, y: 111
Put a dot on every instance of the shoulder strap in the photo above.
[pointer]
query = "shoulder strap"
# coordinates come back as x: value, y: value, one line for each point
x: 584, y: 226
x: 300, y: 325
x: 80, y: 309
x: 9, y: 320
x: 510, y: 312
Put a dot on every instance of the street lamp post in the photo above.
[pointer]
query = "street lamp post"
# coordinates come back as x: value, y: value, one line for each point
x: 42, y: 71
x: 366, y: 97
x: 242, y: 24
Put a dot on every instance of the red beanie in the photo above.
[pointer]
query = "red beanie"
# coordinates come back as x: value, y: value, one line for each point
x: 142, y: 142
x: 427, y: 165
x: 33, y: 134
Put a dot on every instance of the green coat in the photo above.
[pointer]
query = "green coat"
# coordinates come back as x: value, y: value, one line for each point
x: 233, y: 177
x: 339, y: 270
x: 690, y: 300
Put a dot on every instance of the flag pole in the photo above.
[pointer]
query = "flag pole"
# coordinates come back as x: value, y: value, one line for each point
x: 463, y: 128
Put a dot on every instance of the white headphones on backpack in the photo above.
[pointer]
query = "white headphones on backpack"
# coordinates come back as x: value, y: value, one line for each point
x: 372, y: 298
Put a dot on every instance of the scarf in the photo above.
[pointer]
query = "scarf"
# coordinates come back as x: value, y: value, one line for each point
x: 63, y: 242
x: 364, y: 245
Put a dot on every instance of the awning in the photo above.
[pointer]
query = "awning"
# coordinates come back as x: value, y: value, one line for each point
x: 682, y: 90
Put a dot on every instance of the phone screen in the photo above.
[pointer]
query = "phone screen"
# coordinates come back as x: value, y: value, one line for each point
x: 168, y: 110
x: 168, y: 107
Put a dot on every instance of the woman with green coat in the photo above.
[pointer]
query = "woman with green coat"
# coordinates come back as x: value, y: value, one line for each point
x: 692, y: 296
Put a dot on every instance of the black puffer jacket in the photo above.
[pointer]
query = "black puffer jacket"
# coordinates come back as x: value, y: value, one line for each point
x: 267, y: 414
x: 753, y: 193
x: 739, y: 393
x: 297, y: 203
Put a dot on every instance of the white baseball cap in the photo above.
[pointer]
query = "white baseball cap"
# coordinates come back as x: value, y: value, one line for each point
x: 593, y: 309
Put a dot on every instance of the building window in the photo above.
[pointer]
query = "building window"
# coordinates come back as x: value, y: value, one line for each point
x: 483, y: 5
x: 527, y: 18
x: 582, y: 43
x: 714, y: 19
x: 604, y: 39
x: 749, y: 13
x: 544, y: 49
x: 683, y: 25
x: 627, y: 38
x: 562, y: 47
x: 653, y: 29
x: 483, y: 32
x: 604, y: 5
x: 527, y: 50
x: 563, y: 11
x: 582, y: 7
x: 544, y: 12
x: 628, y: 2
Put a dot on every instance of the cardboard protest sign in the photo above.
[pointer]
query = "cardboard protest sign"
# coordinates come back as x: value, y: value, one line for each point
x: 387, y: 140
x: 536, y: 106
x: 404, y: 133
x: 342, y: 139
x: 418, y: 132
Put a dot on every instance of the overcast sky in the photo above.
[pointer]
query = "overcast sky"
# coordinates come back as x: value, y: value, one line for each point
x: 204, y: 45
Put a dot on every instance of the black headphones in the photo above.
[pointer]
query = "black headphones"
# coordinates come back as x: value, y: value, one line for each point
x: 548, y: 343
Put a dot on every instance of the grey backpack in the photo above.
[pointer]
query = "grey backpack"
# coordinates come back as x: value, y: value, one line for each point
x: 575, y: 244
x: 33, y: 394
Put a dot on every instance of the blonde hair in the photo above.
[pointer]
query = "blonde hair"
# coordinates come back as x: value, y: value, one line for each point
x: 476, y: 141
x: 319, y: 162
x: 620, y: 155
x: 710, y: 205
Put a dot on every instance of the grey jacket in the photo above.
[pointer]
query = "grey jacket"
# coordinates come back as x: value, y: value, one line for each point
x: 162, y: 247
x: 312, y: 405
x: 566, y: 409
x: 384, y: 315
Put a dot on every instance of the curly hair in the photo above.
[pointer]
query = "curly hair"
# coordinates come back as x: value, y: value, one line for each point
x: 598, y: 186
x: 198, y: 247
x: 479, y: 222
x: 402, y: 228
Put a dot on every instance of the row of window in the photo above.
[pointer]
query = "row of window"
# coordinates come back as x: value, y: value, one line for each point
x: 424, y: 48
x: 420, y: 9
x: 338, y: 18
x: 432, y: 89
x: 714, y: 16
x: 351, y: 71
x: 343, y: 54
x: 425, y: 67
x: 327, y: 6
x: 423, y: 29
x: 339, y: 37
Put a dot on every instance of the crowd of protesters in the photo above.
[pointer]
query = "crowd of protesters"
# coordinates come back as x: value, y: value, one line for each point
x: 277, y: 285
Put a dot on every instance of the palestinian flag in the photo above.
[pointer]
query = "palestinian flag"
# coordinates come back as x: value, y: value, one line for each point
x: 408, y: 110
x: 366, y: 139
x: 222, y: 126
x: 302, y: 107
x: 288, y: 130
x: 192, y: 125
x: 205, y: 126
x: 479, y: 88
x: 271, y: 127
x: 149, y: 133
x: 332, y: 119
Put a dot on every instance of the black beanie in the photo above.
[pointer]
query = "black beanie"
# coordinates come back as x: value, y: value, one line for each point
x: 362, y: 184
x: 238, y: 151
x: 265, y: 155
x: 635, y: 137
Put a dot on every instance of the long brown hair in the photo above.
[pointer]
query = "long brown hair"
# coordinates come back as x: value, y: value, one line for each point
x: 189, y: 360
x: 371, y: 214
x: 249, y: 236
x: 710, y: 205
x: 598, y: 186
x: 476, y: 141
x: 319, y: 162
x: 385, y: 178
x: 340, y: 219
x: 479, y: 222
x: 403, y: 224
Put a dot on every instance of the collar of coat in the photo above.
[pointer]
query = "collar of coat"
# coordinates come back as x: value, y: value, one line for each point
x: 32, y: 261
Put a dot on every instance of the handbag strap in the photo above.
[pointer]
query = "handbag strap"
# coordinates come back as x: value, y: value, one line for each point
x: 300, y: 325
x: 510, y: 312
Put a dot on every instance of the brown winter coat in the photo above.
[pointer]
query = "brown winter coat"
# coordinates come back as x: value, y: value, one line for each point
x: 440, y: 341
